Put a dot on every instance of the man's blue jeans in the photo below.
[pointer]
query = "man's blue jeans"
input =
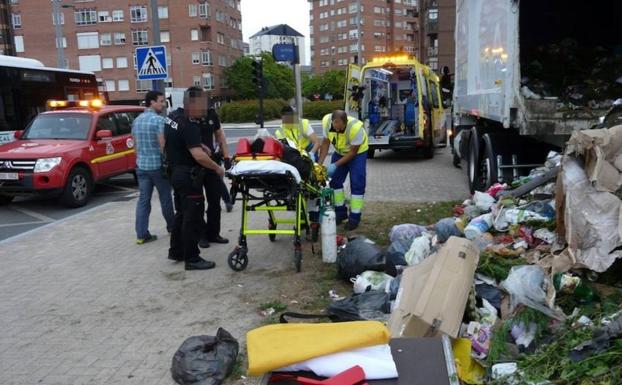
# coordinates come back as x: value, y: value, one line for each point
x: 147, y: 180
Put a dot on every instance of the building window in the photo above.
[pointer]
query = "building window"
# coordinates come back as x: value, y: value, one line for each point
x: 17, y: 20
x: 192, y: 10
x: 85, y: 16
x: 196, y: 81
x: 223, y: 82
x: 104, y: 17
x: 119, y: 38
x: 378, y: 10
x: 220, y: 38
x: 64, y: 42
x: 196, y: 57
x: 107, y: 63
x: 433, y: 14
x: 62, y: 19
x: 165, y: 36
x: 379, y: 23
x: 163, y: 12
x: 379, y: 48
x: 342, y: 23
x: 323, y: 27
x: 194, y: 34
x: 220, y: 16
x: 138, y: 14
x: 110, y: 85
x: 143, y: 85
x: 122, y: 62
x: 208, y: 81
x: 19, y: 43
x: 140, y: 38
x: 222, y: 61
x: 105, y: 39
x: 91, y: 63
x: 117, y: 15
x: 88, y: 40
x: 324, y: 39
x: 206, y: 58
x: 124, y: 85
x: 204, y: 10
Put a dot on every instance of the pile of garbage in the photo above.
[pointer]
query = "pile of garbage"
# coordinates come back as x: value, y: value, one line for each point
x: 526, y: 277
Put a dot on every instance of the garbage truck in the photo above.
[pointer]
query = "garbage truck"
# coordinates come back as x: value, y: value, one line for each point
x: 529, y: 73
x: 399, y: 101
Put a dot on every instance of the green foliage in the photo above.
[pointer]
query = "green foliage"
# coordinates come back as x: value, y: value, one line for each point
x: 317, y: 110
x: 277, y: 305
x: 332, y: 82
x: 279, y: 78
x: 496, y: 266
x: 247, y: 110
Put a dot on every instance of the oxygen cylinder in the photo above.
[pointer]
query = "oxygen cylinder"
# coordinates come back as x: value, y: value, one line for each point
x: 329, y: 235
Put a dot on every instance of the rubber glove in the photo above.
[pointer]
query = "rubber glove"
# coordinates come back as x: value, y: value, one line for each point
x: 331, y: 169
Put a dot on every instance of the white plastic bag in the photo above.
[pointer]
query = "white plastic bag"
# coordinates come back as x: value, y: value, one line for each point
x: 420, y: 249
x: 483, y: 201
x: 370, y: 281
x: 528, y: 285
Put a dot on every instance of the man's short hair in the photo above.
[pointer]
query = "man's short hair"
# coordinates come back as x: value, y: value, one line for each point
x: 152, y: 96
x: 193, y: 92
x: 287, y: 110
x: 341, y: 115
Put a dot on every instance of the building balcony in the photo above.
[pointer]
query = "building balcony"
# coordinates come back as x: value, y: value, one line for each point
x: 432, y: 51
x: 431, y: 27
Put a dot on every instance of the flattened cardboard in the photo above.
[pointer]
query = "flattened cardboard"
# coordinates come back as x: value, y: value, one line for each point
x: 433, y: 294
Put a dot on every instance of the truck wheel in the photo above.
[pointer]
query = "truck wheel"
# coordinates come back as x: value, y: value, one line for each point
x: 78, y: 188
x: 488, y: 164
x: 473, y: 158
x: 371, y: 153
x: 6, y: 199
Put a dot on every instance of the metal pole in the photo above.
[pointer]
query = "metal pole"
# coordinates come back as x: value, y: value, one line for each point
x: 359, y: 47
x: 155, y: 26
x: 298, y: 81
x: 58, y: 29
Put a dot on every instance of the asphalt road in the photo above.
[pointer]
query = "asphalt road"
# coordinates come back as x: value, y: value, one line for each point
x: 25, y: 214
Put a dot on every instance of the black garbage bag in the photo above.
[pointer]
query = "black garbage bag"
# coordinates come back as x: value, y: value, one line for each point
x: 393, y: 259
x: 490, y: 293
x: 358, y: 255
x: 205, y: 360
x: 371, y: 305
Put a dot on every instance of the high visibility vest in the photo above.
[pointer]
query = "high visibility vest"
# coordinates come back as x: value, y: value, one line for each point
x: 343, y: 140
x: 294, y: 134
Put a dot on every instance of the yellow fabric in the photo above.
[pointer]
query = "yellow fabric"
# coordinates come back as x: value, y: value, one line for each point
x: 341, y: 140
x: 469, y: 370
x: 294, y: 133
x: 275, y: 346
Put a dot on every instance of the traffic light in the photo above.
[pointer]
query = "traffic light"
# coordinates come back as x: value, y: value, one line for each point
x: 258, y: 74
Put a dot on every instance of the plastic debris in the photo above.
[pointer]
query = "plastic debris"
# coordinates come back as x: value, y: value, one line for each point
x: 478, y: 226
x: 420, y: 249
x: 483, y: 201
x: 446, y: 228
x: 546, y: 235
x: 528, y: 285
x: 370, y: 281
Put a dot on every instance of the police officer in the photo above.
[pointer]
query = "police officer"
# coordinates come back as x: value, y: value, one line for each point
x: 214, y: 184
x: 349, y: 138
x: 188, y: 162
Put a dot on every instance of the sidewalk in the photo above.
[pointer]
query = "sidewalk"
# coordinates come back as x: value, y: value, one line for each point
x: 81, y: 303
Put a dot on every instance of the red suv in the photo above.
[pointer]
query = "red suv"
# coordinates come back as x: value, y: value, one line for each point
x: 64, y: 152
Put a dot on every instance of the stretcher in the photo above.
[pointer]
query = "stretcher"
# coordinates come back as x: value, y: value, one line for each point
x: 265, y: 184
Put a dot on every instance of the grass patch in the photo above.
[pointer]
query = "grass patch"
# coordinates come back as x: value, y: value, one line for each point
x: 276, y: 305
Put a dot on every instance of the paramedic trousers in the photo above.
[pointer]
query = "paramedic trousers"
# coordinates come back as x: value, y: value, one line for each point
x: 213, y: 186
x: 357, y: 168
x: 189, y: 206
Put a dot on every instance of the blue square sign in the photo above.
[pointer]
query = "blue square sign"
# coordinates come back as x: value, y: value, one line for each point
x: 151, y: 63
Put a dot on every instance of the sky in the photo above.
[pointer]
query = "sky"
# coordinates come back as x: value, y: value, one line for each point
x: 257, y: 14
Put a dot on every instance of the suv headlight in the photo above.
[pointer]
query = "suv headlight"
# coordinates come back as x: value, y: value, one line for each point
x: 46, y: 164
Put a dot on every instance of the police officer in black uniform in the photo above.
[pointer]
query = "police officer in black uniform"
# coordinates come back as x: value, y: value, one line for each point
x: 188, y: 164
x: 214, y: 184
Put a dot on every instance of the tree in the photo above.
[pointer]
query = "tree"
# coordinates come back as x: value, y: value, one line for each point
x: 279, y: 78
x: 332, y: 82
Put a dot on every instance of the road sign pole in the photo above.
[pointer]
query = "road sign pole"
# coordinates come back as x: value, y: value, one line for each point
x: 298, y: 82
x: 155, y: 27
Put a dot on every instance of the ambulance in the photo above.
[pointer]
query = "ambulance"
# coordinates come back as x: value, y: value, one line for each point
x: 399, y: 101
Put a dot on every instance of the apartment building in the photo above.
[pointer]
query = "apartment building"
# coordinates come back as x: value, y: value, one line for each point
x: 386, y: 26
x: 202, y: 38
x: 437, y: 45
x: 6, y: 38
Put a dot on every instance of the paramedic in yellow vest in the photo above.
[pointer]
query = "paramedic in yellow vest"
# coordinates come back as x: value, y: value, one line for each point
x: 349, y: 138
x: 298, y: 133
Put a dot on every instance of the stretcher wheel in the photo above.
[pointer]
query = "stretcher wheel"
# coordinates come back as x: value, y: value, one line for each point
x: 238, y: 259
x: 272, y: 226
x: 298, y: 259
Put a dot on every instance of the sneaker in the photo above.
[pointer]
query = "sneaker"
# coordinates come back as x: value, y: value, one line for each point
x: 150, y: 238
x: 203, y: 243
x: 201, y: 264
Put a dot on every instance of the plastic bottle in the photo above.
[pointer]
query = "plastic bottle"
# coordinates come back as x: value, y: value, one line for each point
x: 478, y: 226
x: 329, y: 235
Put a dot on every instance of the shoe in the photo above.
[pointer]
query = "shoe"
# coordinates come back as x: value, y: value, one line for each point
x: 150, y: 238
x: 349, y: 226
x: 203, y: 243
x: 229, y: 207
x: 176, y: 259
x: 219, y: 239
x: 201, y: 264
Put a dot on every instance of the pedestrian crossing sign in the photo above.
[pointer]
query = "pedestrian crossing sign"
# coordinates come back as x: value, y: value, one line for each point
x: 151, y: 63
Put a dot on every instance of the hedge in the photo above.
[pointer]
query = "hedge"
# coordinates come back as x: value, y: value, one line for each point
x: 246, y: 110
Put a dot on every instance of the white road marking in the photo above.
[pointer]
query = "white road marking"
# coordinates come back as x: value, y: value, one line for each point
x: 118, y: 187
x: 21, y: 224
x: 33, y: 214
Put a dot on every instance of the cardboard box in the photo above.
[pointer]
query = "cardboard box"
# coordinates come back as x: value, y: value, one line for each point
x: 433, y: 294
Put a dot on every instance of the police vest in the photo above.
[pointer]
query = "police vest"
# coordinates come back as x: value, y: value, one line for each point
x: 342, y: 140
x: 294, y: 134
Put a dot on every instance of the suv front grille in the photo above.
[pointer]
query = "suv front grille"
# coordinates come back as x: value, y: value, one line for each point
x: 17, y: 165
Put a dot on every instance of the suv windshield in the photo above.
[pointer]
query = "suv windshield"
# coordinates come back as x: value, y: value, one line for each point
x: 59, y: 126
